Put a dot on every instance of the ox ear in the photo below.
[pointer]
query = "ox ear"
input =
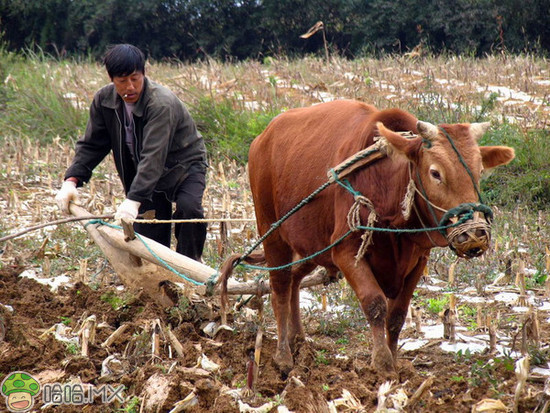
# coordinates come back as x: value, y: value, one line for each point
x: 478, y: 129
x: 493, y: 156
x: 427, y: 130
x: 398, y: 143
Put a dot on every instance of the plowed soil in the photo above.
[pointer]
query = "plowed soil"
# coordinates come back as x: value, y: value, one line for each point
x: 329, y: 364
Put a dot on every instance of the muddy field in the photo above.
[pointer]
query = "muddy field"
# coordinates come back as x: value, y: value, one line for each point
x: 332, y: 372
x: 56, y: 289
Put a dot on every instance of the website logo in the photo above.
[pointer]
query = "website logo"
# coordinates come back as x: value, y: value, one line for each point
x: 20, y: 388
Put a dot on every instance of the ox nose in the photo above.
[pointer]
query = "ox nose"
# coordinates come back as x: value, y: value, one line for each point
x: 479, y: 233
x: 474, y: 252
x: 481, y: 245
x: 472, y: 238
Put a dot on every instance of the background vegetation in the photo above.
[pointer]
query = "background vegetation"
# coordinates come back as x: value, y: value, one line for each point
x: 227, y: 29
x: 45, y: 100
x: 43, y: 109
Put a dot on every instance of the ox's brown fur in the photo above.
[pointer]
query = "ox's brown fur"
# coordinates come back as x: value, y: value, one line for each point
x: 290, y: 159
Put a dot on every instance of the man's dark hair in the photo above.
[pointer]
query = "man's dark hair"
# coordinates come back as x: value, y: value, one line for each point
x: 123, y: 60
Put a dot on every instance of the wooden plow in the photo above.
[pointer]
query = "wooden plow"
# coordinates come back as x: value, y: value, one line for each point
x: 142, y: 263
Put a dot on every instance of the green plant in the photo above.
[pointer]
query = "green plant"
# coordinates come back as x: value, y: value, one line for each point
x: 468, y: 315
x: 526, y: 179
x: 487, y: 105
x: 436, y: 305
x: 66, y: 320
x: 481, y: 371
x: 115, y: 301
x: 321, y: 358
x: 228, y: 127
x: 538, y: 356
x: 40, y: 106
x: 463, y: 356
x: 132, y: 405
x: 72, y: 348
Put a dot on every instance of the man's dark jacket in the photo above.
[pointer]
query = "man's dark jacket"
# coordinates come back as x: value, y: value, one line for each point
x: 166, y: 142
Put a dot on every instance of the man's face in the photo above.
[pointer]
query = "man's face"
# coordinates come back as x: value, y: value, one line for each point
x: 129, y: 87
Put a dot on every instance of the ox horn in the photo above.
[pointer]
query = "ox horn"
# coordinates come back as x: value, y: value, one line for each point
x: 478, y: 129
x: 427, y: 130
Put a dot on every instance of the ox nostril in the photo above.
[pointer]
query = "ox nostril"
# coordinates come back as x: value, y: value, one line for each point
x: 474, y: 252
x: 480, y: 233
x: 462, y: 238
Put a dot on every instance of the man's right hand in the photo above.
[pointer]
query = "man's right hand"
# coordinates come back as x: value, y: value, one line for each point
x: 66, y: 194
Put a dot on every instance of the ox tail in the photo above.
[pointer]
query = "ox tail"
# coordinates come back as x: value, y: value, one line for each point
x: 227, y: 270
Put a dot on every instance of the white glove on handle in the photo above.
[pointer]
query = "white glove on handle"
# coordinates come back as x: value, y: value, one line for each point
x: 128, y: 210
x: 65, y: 195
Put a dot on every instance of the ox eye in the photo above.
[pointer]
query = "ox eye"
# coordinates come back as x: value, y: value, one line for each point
x: 435, y: 174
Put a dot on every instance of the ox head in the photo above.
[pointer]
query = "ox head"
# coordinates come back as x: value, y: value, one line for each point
x: 447, y: 166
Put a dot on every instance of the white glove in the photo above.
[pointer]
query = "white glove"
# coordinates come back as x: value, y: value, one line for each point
x: 65, y: 195
x: 128, y: 210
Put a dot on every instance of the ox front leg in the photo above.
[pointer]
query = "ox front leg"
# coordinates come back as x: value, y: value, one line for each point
x: 374, y: 305
x: 399, y: 306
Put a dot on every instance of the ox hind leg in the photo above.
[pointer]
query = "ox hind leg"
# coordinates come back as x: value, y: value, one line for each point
x: 398, y: 307
x: 278, y: 253
x: 285, y: 299
x: 296, y: 329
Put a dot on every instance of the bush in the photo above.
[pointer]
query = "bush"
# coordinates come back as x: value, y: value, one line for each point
x: 31, y: 105
x: 228, y: 131
x: 527, y: 179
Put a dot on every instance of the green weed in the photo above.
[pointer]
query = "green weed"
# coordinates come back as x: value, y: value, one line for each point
x: 229, y: 130
x: 66, y: 320
x: 436, y: 305
x: 526, y: 180
x: 72, y: 348
x: 115, y: 301
x: 321, y: 358
x: 132, y: 406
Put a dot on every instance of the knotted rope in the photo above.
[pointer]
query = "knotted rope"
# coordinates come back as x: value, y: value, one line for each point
x: 354, y: 216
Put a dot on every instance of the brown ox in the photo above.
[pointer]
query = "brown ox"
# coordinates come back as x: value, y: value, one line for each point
x: 290, y: 160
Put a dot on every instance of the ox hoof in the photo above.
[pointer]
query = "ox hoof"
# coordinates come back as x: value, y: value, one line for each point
x: 284, y: 363
x: 382, y: 361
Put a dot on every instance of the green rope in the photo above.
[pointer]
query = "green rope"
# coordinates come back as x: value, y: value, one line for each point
x: 464, y: 217
x: 345, y: 184
x: 301, y: 260
x: 425, y: 195
x: 463, y: 162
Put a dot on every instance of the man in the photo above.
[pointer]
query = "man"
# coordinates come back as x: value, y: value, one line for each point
x: 158, y: 152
